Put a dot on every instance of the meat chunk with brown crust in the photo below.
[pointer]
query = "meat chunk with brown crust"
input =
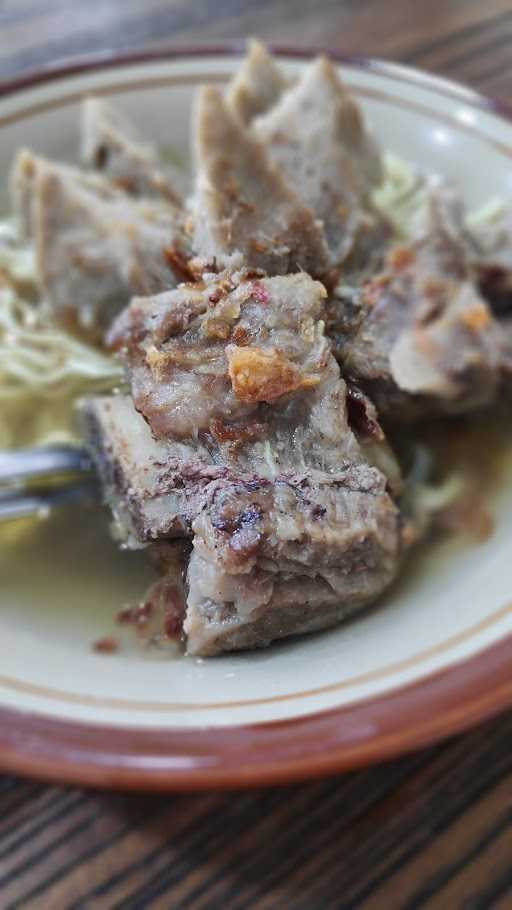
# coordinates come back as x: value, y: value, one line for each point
x: 418, y: 336
x: 292, y: 528
x: 240, y: 363
x: 484, y: 251
x: 277, y: 559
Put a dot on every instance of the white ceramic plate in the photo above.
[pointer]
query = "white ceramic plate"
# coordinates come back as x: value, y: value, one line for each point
x: 430, y: 659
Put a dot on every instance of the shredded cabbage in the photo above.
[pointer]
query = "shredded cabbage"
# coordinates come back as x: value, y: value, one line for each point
x: 403, y: 194
x: 43, y: 369
x: 16, y: 260
x: 490, y: 212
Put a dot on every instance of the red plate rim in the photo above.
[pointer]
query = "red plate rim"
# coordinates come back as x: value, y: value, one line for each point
x: 315, y: 745
x: 327, y: 742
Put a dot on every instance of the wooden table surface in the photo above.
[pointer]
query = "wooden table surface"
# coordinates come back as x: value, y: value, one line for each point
x: 432, y: 830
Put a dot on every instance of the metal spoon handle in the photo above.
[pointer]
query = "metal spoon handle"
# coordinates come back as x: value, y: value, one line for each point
x: 35, y: 481
x: 24, y: 505
x: 22, y: 466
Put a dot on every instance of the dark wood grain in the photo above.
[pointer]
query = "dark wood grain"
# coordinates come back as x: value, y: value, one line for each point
x: 430, y: 830
x: 466, y: 39
x: 433, y: 830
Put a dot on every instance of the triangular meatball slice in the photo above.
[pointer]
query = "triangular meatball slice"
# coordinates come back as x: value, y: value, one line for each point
x: 95, y: 250
x: 112, y: 145
x: 257, y: 85
x: 243, y: 212
x: 317, y: 137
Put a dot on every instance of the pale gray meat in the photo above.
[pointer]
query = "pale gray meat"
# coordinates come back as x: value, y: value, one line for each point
x: 241, y: 361
x: 94, y: 250
x: 181, y: 350
x: 22, y: 183
x: 318, y: 139
x: 485, y: 248
x: 418, y: 336
x: 242, y: 212
x: 257, y: 85
x: 277, y: 559
x: 154, y: 488
x: 270, y: 559
x: 238, y: 368
x: 251, y: 417
x: 112, y: 145
x: 165, y: 603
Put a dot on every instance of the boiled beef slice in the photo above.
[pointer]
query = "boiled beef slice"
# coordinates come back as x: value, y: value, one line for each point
x: 240, y: 363
x: 154, y: 488
x: 484, y: 245
x: 236, y: 370
x: 418, y: 336
x: 199, y: 415
x: 277, y: 559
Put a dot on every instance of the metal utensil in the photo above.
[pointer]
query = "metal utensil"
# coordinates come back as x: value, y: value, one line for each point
x: 35, y: 481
